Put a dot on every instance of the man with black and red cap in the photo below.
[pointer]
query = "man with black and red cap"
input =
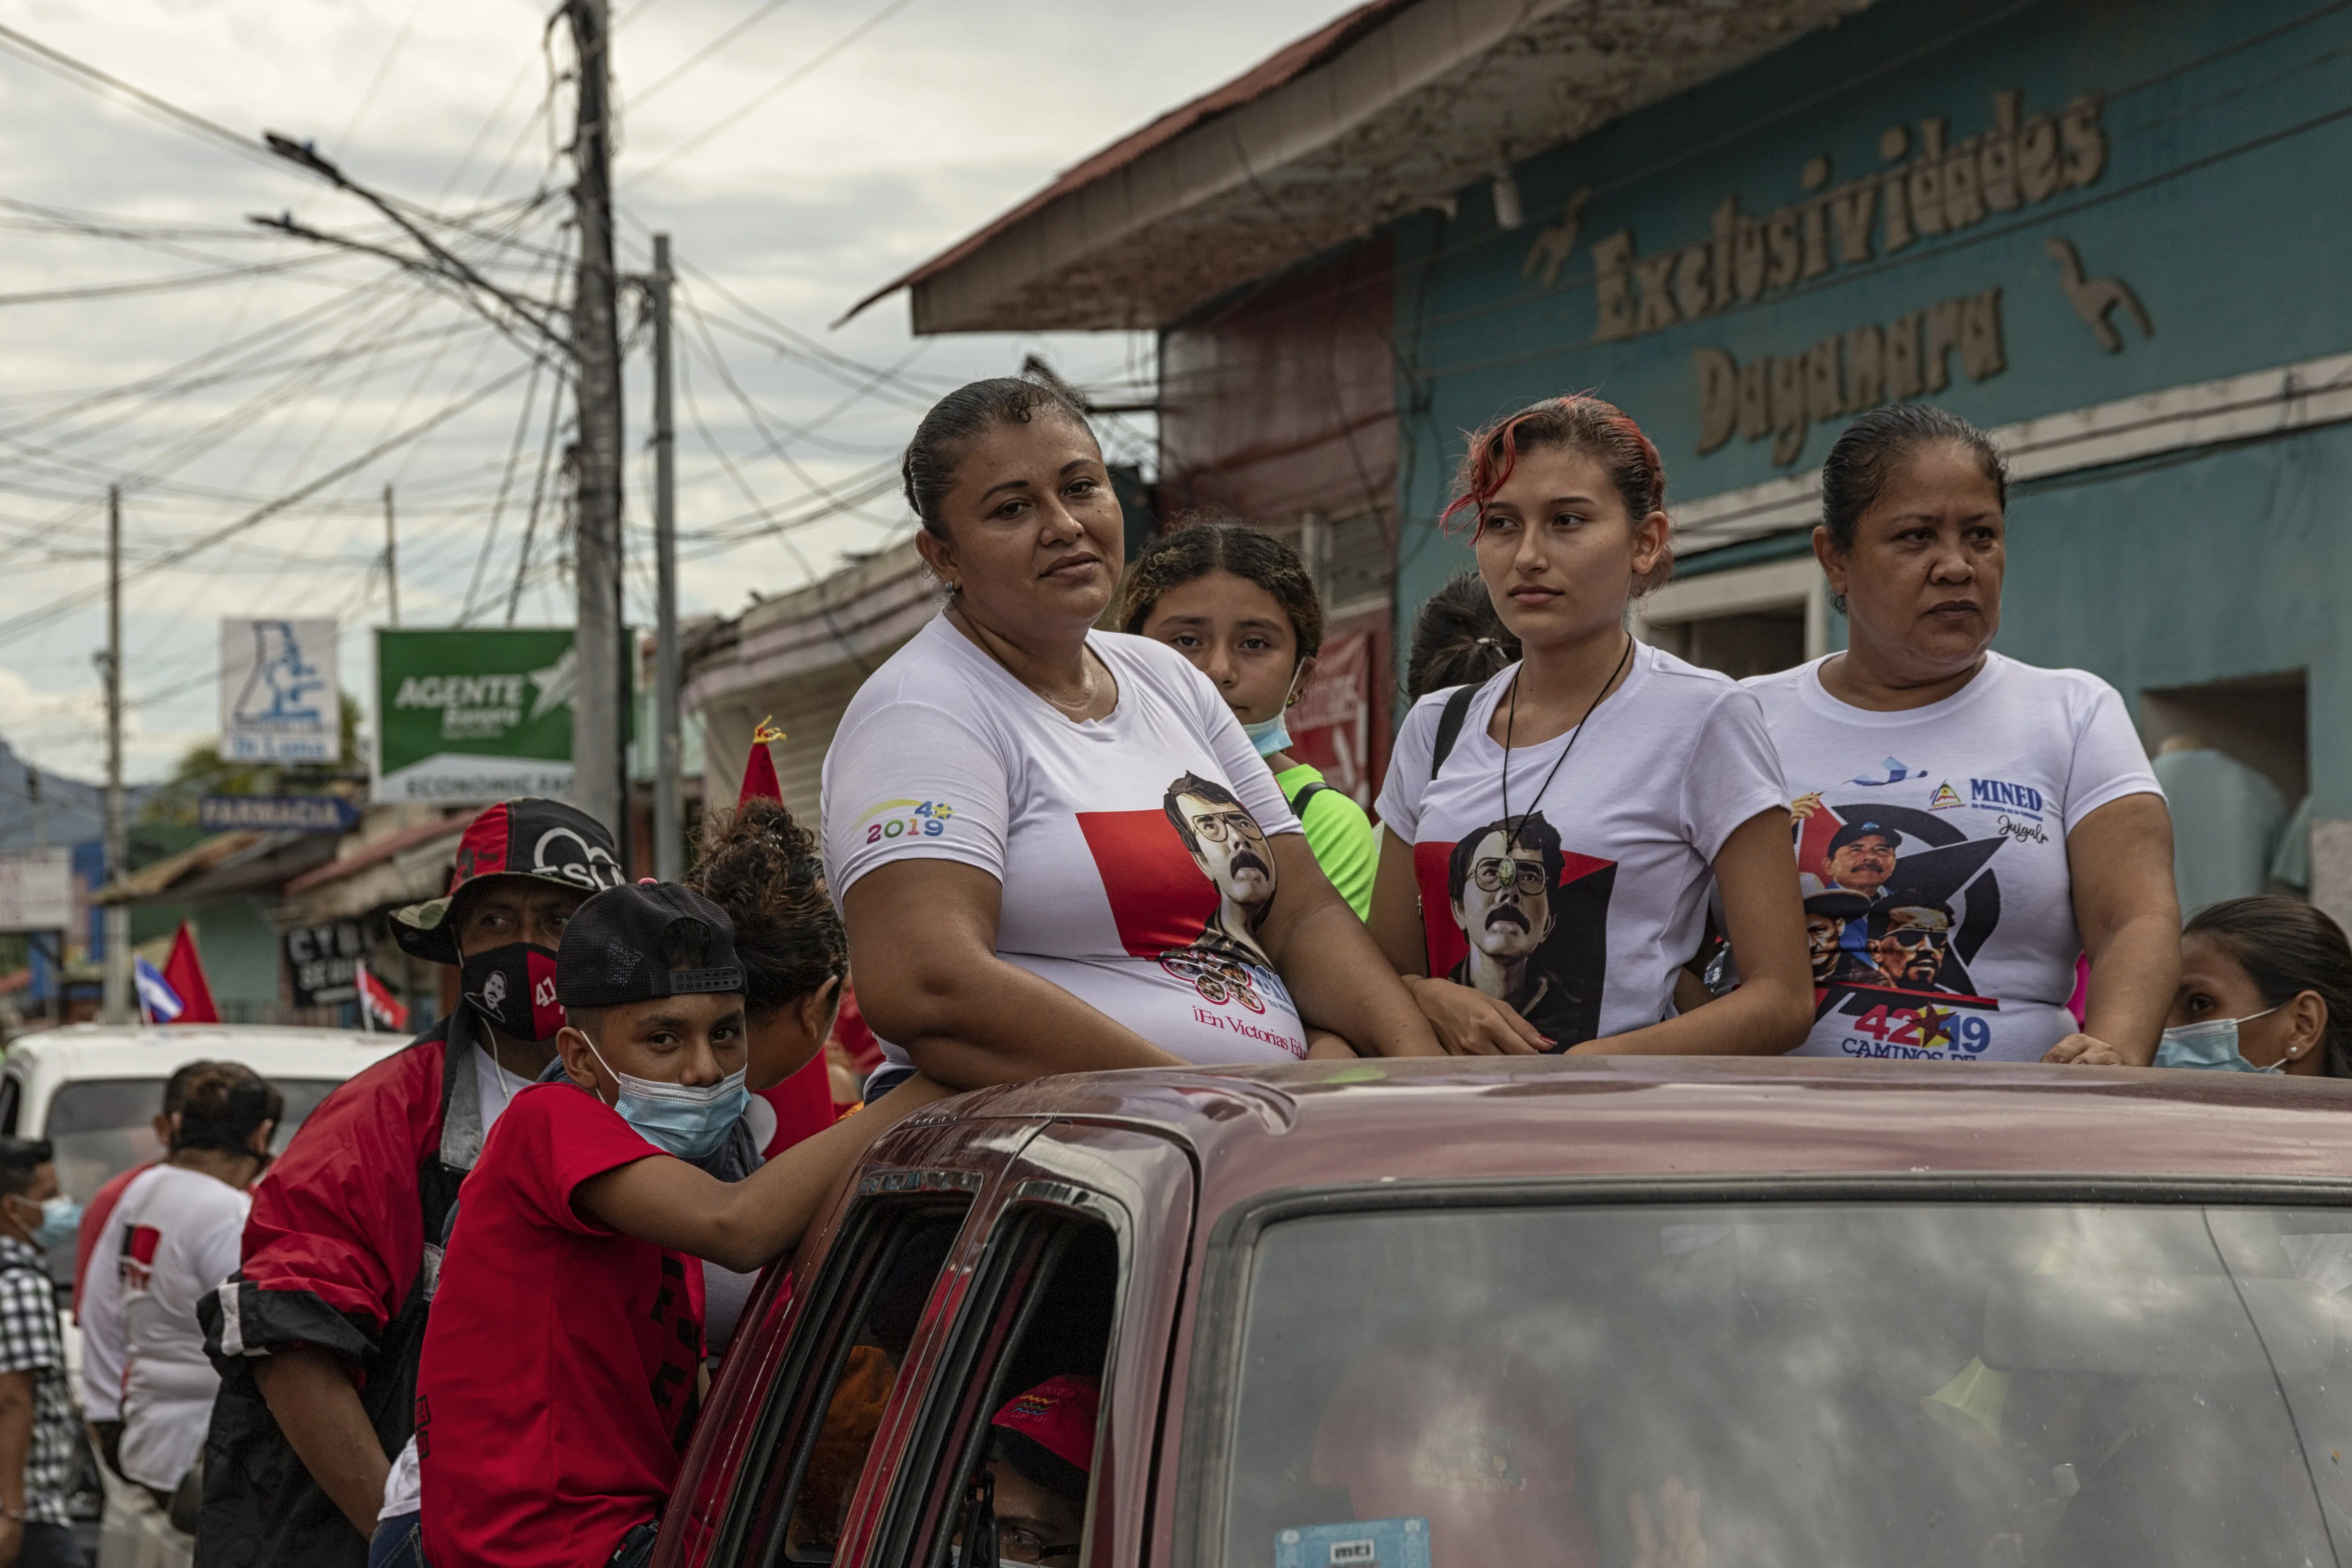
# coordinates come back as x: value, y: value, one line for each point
x: 318, y: 1333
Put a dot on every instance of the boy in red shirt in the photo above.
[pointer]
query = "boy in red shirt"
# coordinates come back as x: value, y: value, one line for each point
x: 558, y: 1386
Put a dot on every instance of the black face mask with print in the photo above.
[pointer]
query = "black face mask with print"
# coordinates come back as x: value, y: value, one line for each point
x: 513, y: 986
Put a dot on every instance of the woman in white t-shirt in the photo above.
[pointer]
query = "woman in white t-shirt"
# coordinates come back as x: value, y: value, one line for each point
x: 1965, y: 825
x: 1054, y: 847
x: 179, y: 1225
x: 1549, y: 838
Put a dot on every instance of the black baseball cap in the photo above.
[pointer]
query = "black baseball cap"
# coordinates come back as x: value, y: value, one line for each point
x: 528, y: 836
x: 1862, y: 829
x: 642, y: 942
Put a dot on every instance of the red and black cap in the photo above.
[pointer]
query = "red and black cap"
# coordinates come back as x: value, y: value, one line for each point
x: 1058, y: 1415
x: 642, y: 942
x: 543, y: 839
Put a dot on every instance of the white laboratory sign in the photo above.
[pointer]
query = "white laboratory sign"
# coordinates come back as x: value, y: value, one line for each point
x: 279, y: 692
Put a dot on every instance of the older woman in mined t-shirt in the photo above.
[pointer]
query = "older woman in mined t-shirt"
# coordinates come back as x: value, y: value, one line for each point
x: 1054, y: 847
x: 1966, y: 824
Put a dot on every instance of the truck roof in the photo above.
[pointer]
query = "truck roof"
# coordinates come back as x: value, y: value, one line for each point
x: 81, y: 1051
x: 1317, y: 1123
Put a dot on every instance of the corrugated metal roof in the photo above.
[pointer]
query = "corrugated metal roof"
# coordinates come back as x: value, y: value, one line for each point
x: 1255, y: 82
x: 1396, y: 106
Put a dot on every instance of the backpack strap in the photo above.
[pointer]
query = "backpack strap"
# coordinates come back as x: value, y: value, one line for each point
x: 1449, y: 725
x: 1306, y: 793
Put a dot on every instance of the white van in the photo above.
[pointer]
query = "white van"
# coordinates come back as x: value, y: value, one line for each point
x: 93, y: 1092
x: 93, y: 1089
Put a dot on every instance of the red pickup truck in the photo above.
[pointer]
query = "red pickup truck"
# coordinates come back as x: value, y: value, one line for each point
x: 1618, y: 1313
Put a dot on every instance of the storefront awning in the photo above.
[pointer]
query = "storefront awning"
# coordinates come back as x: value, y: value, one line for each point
x: 1397, y: 105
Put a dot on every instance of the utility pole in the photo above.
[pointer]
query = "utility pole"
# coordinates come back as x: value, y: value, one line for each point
x: 391, y: 560
x: 116, y: 997
x: 669, y: 822
x: 600, y: 768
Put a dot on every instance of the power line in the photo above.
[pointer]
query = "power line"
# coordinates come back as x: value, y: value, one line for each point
x: 796, y: 74
x: 761, y: 14
x: 499, y: 507
x: 188, y: 447
x: 165, y: 284
x: 382, y: 69
x: 89, y: 75
x: 15, y: 626
x: 759, y: 426
x: 538, y: 494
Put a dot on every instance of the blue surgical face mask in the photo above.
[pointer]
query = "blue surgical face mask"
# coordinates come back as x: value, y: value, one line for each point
x: 685, y: 1120
x: 2212, y: 1044
x: 1270, y: 735
x: 61, y: 1222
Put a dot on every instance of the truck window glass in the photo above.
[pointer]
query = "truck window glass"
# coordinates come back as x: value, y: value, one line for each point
x: 1968, y: 1384
x: 1036, y: 1334
x: 862, y: 1316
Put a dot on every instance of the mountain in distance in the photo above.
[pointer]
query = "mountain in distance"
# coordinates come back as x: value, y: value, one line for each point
x: 71, y: 810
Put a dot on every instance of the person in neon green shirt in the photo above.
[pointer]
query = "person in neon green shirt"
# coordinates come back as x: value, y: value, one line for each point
x: 1241, y: 605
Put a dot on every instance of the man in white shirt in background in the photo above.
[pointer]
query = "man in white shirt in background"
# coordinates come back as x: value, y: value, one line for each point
x: 98, y: 1298
x: 181, y: 1225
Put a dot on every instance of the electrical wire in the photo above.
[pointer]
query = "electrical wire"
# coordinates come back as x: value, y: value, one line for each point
x: 85, y: 75
x: 760, y: 14
x: 759, y: 426
x: 14, y: 627
x: 166, y: 284
x: 798, y: 73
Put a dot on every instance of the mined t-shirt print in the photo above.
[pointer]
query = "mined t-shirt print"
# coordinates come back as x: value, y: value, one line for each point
x: 1189, y: 886
x: 1897, y: 902
x: 1509, y: 911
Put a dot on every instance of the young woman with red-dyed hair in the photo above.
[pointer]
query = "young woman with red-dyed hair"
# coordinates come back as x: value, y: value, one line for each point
x: 1550, y: 836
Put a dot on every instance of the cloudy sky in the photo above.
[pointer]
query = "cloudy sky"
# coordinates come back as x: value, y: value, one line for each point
x: 800, y: 152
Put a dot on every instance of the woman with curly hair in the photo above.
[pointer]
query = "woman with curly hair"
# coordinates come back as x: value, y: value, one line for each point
x: 1539, y: 887
x: 763, y: 868
x: 1241, y: 604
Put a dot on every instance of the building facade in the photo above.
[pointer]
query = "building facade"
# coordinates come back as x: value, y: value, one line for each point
x: 2105, y: 230
x: 2093, y: 228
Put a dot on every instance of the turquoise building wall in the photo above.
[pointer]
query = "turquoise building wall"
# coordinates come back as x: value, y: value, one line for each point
x: 2225, y: 136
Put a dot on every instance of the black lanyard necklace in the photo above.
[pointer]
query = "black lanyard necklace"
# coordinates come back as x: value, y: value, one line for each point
x: 1510, y: 828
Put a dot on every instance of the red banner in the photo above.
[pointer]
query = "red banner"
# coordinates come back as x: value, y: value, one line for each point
x: 1332, y: 725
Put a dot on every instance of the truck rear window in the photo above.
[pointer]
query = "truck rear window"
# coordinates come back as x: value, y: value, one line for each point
x: 1983, y: 1386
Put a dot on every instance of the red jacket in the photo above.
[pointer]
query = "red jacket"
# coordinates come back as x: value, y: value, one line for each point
x: 341, y: 1251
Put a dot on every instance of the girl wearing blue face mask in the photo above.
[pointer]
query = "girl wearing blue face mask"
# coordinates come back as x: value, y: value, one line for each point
x: 1241, y: 604
x: 2265, y: 986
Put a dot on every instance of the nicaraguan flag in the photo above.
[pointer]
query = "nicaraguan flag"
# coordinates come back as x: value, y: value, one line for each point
x: 156, y: 997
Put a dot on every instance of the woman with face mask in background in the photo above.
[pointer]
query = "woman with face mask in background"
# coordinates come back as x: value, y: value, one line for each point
x: 1240, y: 605
x: 2265, y: 986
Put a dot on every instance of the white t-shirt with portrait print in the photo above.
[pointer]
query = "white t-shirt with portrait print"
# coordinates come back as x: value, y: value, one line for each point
x: 1581, y: 916
x: 944, y: 755
x: 1931, y: 846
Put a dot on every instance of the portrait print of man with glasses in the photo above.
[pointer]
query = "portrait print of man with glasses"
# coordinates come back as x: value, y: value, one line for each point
x: 1227, y: 845
x: 1503, y: 881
